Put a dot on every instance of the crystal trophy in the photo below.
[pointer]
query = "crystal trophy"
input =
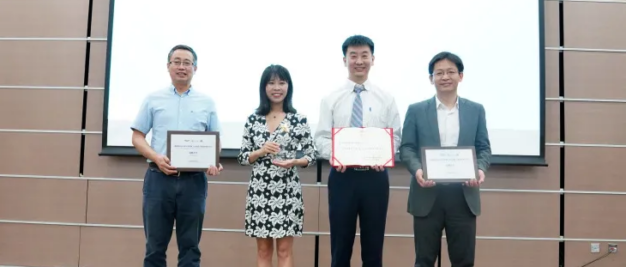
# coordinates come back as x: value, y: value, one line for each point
x: 283, y: 140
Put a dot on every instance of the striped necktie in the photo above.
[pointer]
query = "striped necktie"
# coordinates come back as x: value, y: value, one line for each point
x: 357, y: 108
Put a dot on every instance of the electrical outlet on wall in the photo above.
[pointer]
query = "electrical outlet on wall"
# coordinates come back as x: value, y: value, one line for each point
x: 595, y: 247
x: 613, y: 248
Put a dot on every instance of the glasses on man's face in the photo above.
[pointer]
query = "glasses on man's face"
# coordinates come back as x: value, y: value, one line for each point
x: 441, y: 74
x: 184, y: 63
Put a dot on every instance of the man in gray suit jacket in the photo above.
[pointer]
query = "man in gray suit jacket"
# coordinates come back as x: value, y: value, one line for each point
x: 444, y: 120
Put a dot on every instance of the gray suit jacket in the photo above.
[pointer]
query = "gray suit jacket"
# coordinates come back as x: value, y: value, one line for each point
x: 421, y: 129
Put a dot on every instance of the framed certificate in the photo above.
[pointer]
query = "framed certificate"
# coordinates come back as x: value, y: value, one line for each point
x: 193, y: 150
x: 360, y: 147
x: 449, y: 164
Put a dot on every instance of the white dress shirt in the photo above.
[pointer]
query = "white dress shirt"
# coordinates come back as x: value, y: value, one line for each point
x: 448, y: 121
x: 379, y: 110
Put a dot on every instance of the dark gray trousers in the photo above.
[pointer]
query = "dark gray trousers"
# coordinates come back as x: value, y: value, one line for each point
x: 449, y: 212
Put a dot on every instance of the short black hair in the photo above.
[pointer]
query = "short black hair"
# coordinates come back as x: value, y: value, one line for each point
x: 357, y: 40
x: 183, y: 47
x: 443, y: 56
x: 271, y: 72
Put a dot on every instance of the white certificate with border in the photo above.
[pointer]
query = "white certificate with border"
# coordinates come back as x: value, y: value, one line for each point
x: 193, y: 150
x: 449, y: 164
x: 360, y: 147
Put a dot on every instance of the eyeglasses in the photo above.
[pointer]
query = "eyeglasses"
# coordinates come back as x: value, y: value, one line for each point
x: 184, y: 63
x: 440, y: 74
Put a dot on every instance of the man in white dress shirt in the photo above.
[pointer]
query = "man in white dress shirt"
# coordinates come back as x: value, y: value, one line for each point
x: 364, y: 191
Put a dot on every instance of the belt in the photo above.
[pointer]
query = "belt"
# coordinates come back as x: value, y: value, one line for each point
x: 450, y: 184
x: 155, y: 166
x: 362, y: 169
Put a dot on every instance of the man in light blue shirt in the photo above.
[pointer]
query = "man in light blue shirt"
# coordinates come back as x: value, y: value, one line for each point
x: 170, y: 195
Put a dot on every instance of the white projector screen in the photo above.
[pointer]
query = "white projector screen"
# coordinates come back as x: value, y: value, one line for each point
x: 500, y: 43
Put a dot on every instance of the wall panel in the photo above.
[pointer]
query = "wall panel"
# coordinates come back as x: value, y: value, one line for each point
x: 594, y: 216
x: 45, y: 200
x: 58, y: 18
x: 512, y: 253
x: 40, y: 153
x: 552, y: 73
x: 553, y: 125
x: 533, y: 214
x: 113, y: 202
x: 551, y: 27
x: 97, y: 64
x: 112, y: 167
x: 595, y: 169
x: 576, y: 258
x: 595, y: 123
x: 95, y: 109
x: 100, y: 19
x: 595, y: 75
x: 43, y: 63
x: 41, y: 109
x: 594, y: 25
x: 39, y: 245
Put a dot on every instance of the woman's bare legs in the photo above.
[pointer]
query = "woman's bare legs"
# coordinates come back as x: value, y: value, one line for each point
x: 285, y: 251
x: 265, y: 249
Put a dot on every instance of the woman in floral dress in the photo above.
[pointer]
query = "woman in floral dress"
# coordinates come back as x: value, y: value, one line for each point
x: 271, y: 137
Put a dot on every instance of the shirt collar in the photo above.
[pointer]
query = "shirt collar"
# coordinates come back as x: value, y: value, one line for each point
x: 367, y: 85
x: 440, y: 104
x: 173, y: 89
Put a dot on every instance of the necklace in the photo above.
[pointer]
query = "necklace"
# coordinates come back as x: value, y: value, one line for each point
x: 274, y: 115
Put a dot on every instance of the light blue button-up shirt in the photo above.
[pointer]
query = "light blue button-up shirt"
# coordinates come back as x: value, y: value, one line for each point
x: 166, y: 110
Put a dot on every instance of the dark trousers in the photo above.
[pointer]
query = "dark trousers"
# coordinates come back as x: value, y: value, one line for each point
x: 173, y: 198
x: 357, y: 193
x: 449, y: 212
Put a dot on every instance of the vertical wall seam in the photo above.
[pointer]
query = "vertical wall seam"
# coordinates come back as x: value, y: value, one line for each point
x: 83, y: 126
x: 562, y: 135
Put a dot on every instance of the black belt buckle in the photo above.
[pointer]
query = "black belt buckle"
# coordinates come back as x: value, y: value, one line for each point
x: 154, y: 165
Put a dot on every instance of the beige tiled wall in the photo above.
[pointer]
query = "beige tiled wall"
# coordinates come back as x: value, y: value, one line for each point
x: 50, y: 215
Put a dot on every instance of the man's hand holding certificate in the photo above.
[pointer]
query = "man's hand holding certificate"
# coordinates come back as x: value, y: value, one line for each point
x: 362, y: 147
x: 194, y: 151
x: 450, y: 165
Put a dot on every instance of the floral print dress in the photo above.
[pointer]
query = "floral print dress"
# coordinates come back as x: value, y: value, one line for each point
x: 274, y: 204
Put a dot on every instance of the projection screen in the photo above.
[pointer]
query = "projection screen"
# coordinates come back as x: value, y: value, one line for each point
x: 500, y: 42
